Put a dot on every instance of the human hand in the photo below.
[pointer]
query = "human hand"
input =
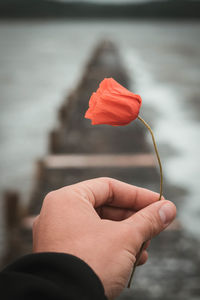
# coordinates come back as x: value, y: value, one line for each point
x: 104, y: 222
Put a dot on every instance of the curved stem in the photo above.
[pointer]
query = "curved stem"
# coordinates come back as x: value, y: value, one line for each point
x: 161, y: 191
x: 136, y: 263
x: 157, y: 154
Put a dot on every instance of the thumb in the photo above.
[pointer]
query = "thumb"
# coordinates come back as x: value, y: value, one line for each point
x: 152, y: 219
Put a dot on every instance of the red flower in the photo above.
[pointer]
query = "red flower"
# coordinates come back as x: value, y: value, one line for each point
x: 113, y: 104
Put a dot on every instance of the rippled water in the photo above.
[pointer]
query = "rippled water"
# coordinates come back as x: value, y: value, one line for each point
x: 40, y: 62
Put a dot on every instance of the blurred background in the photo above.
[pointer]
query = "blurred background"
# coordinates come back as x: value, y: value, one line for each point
x: 44, y: 47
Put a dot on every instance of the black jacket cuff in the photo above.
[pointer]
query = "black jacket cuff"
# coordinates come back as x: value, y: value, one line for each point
x: 50, y: 276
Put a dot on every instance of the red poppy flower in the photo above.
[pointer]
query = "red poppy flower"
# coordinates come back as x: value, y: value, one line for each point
x: 113, y: 104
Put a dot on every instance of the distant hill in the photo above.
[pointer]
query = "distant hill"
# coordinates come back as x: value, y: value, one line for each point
x: 170, y: 9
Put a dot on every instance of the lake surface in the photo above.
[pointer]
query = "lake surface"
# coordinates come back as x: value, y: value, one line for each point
x: 40, y: 62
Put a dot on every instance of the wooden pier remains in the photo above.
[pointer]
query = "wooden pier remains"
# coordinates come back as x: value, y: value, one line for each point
x: 80, y: 151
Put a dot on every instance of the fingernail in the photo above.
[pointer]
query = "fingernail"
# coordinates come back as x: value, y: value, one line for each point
x: 166, y: 213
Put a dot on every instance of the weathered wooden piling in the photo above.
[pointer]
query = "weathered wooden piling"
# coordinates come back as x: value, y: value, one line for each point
x: 11, y: 208
x: 13, y: 215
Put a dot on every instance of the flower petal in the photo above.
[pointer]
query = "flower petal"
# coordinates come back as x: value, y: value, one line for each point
x: 113, y: 104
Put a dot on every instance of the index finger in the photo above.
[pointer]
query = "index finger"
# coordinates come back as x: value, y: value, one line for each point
x: 112, y: 192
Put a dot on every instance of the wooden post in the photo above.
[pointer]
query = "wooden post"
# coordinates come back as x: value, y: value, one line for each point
x: 11, y: 209
x: 39, y: 170
x: 53, y: 141
x: 12, y: 221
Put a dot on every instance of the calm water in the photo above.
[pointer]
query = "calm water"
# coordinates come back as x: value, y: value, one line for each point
x: 41, y: 62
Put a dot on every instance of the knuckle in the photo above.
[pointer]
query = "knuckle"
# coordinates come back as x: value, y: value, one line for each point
x: 49, y: 200
x: 50, y: 196
x: 105, y: 178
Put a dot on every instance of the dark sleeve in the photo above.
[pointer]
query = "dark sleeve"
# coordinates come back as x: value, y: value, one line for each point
x: 51, y: 276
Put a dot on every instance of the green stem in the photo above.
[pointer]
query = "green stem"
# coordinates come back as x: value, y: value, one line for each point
x: 160, y: 196
x: 157, y: 154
